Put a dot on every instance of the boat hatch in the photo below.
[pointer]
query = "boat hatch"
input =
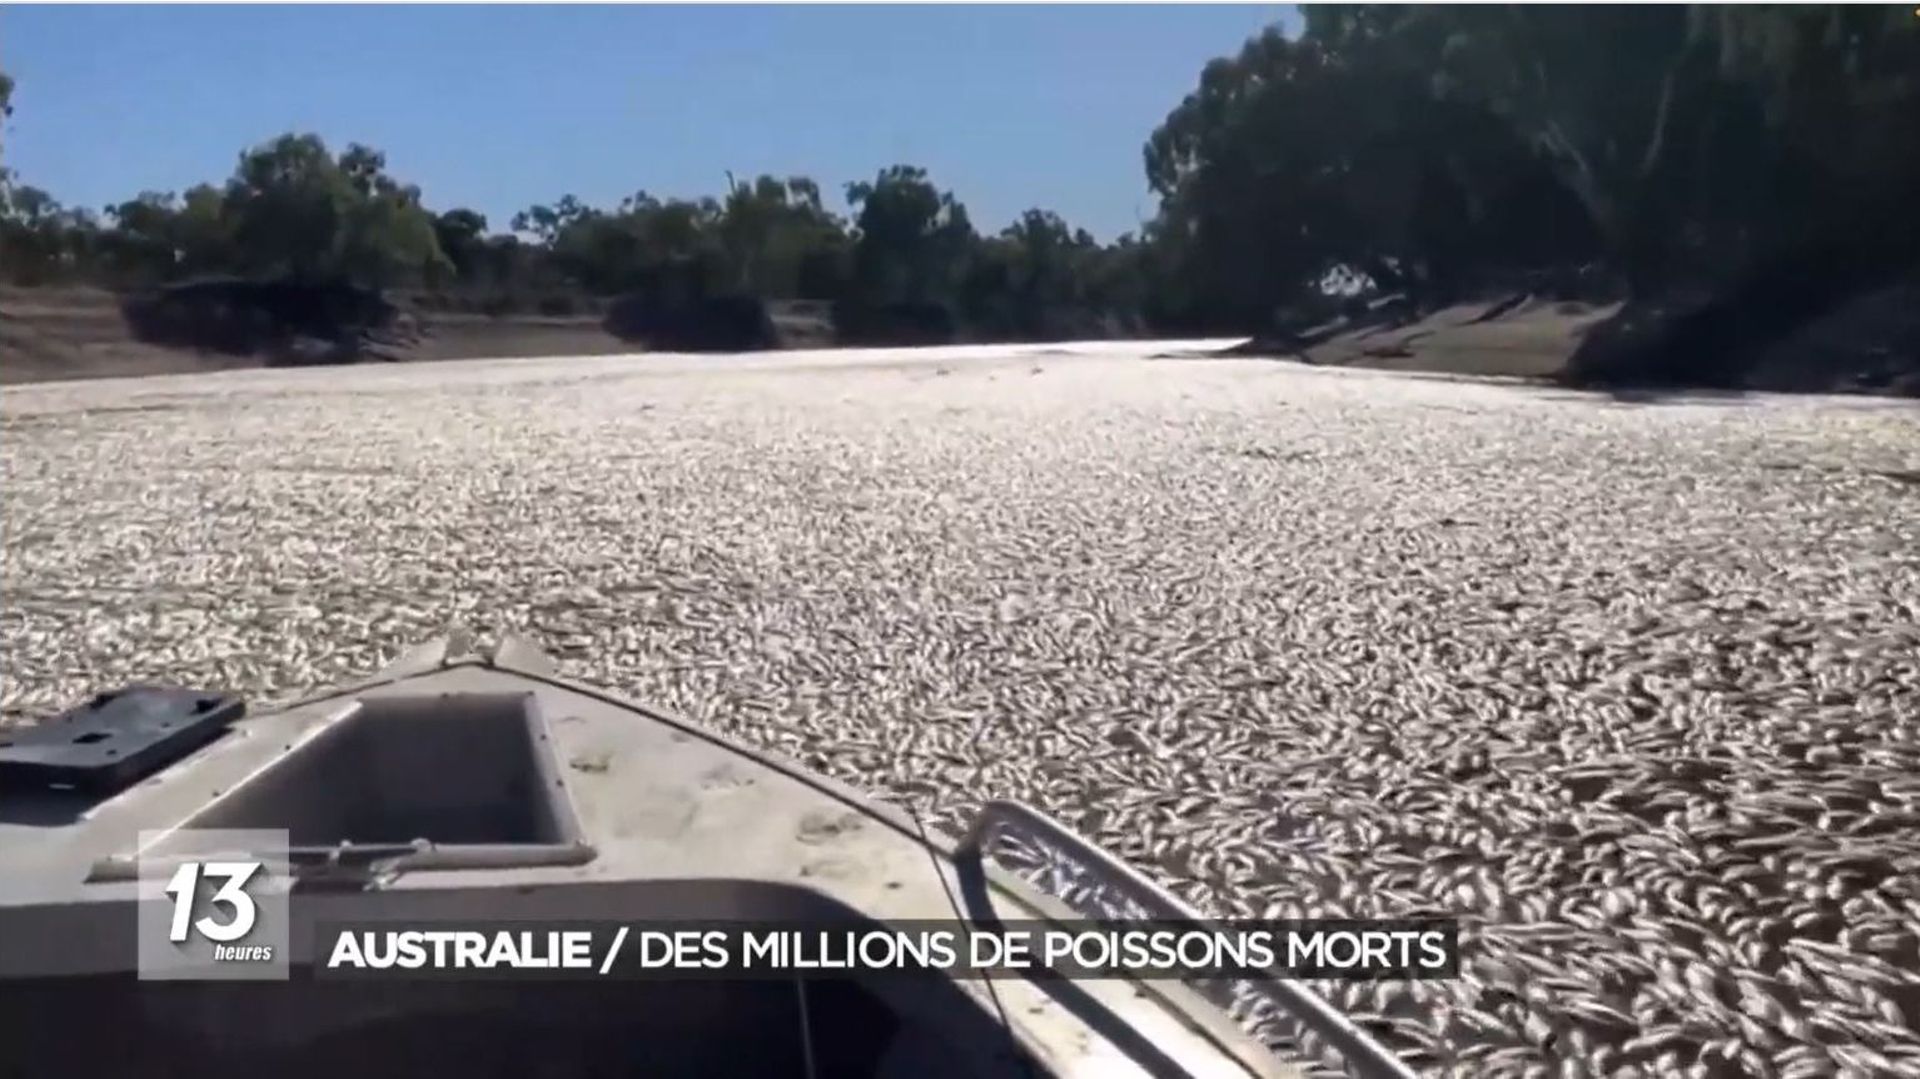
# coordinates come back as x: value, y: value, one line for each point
x: 406, y: 783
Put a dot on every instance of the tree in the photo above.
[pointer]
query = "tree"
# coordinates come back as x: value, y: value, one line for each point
x: 1300, y: 157
x: 297, y: 211
x: 910, y: 238
x: 1697, y: 138
x: 286, y: 201
x: 44, y: 242
x: 1611, y: 127
x: 547, y: 222
x: 143, y: 244
x: 770, y: 227
x: 461, y: 235
x: 1045, y: 272
x: 6, y: 113
x: 6, y: 107
x: 1833, y: 94
x: 1434, y: 151
x: 1254, y: 171
x: 203, y: 234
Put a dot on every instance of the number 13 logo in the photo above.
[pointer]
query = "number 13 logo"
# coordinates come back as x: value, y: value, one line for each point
x: 232, y: 895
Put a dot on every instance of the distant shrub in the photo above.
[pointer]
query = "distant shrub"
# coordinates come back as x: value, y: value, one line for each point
x: 735, y: 323
x: 895, y: 323
x: 243, y: 317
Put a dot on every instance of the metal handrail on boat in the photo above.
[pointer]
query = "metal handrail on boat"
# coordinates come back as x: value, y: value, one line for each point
x: 1363, y: 1054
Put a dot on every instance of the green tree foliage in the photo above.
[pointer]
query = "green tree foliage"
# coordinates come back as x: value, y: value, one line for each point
x: 6, y: 174
x: 1438, y: 147
x: 1302, y: 156
x: 644, y: 243
x: 298, y: 211
x: 909, y: 238
x: 1042, y: 279
x: 291, y: 209
x: 43, y: 242
x: 1833, y: 104
x: 462, y: 237
x: 780, y: 239
x: 6, y: 111
x: 1699, y: 140
x: 1436, y: 151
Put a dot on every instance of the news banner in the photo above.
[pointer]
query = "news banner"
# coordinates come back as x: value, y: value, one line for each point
x: 232, y: 918
x: 1362, y: 950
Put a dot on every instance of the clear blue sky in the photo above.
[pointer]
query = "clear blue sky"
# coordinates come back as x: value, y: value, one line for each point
x: 498, y: 107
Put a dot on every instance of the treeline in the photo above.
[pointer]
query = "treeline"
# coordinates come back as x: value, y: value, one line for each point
x: 1660, y: 149
x: 1436, y: 152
